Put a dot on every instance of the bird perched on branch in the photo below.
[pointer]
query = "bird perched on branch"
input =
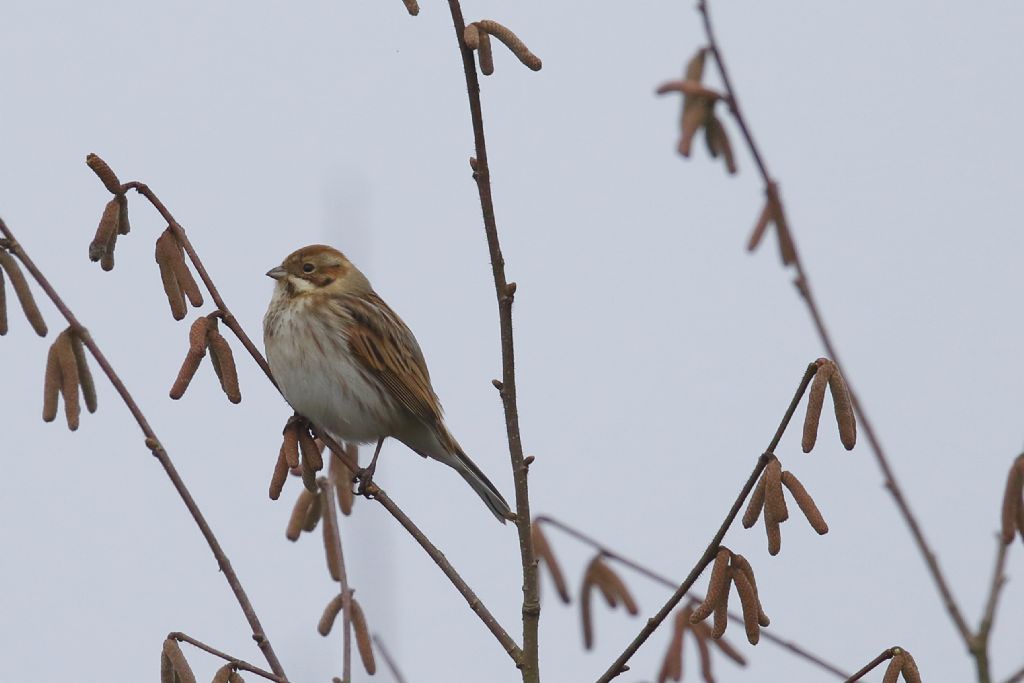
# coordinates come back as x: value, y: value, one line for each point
x: 345, y: 361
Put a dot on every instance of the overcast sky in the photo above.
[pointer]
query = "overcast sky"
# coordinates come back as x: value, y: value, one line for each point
x: 655, y: 355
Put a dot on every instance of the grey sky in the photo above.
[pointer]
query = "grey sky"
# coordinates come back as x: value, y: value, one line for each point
x: 655, y: 355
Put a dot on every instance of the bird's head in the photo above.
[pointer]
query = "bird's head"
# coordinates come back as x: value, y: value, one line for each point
x: 319, y: 268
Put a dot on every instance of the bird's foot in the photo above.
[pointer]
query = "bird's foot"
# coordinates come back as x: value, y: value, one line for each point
x: 364, y: 479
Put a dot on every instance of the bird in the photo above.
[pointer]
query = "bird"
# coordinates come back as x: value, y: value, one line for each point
x: 346, y: 362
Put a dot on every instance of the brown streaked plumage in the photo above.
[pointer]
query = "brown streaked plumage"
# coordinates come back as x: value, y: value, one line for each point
x: 347, y: 362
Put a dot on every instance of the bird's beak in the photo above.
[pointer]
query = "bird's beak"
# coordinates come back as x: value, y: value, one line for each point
x: 278, y: 273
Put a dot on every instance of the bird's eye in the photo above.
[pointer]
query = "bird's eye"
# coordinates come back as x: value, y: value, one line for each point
x: 308, y: 267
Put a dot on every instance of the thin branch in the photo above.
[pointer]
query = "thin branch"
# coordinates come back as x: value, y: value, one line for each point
x: 373, y: 491
x: 619, y: 665
x: 884, y: 656
x: 980, y: 647
x: 1017, y: 677
x: 234, y: 661
x: 803, y: 283
x: 505, y: 292
x: 669, y: 583
x: 153, y: 443
x: 392, y: 666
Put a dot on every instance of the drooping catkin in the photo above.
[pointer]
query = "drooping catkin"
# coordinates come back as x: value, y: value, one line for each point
x: 330, y: 614
x: 815, y: 402
x: 124, y: 225
x: 363, y: 642
x: 279, y: 477
x: 748, y: 602
x: 412, y: 7
x: 741, y: 564
x: 775, y: 510
x: 892, y: 672
x: 753, y: 510
x: 805, y: 502
x: 485, y: 55
x: 1012, y: 499
x: 787, y: 250
x: 332, y: 536
x: 471, y: 36
x: 223, y: 674
x: 774, y: 533
x: 103, y: 242
x: 696, y: 111
x: 512, y: 42
x: 721, y: 613
x: 51, y: 385
x: 308, y: 476
x: 309, y: 449
x: 672, y: 664
x: 313, y: 514
x: 705, y: 657
x: 84, y: 375
x: 718, y: 142
x: 760, y: 227
x: 586, y: 592
x: 24, y: 294
x: 179, y: 665
x: 196, y: 352
x: 844, y: 409
x: 612, y: 582
x: 104, y: 173
x: 546, y: 555
x: 600, y: 579
x: 911, y: 674
x: 718, y: 585
x: 224, y: 363
x: 299, y: 513
x: 236, y: 678
x: 68, y: 378
x: 165, y: 253
x: 695, y: 67
x: 187, y: 283
x: 290, y: 443
x: 341, y: 477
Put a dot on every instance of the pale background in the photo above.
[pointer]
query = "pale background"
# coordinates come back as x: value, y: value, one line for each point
x: 655, y: 355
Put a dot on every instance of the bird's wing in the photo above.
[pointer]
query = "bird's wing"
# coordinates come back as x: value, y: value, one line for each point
x: 382, y: 343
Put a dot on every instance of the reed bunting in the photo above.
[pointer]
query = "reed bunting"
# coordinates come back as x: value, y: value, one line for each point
x: 345, y: 361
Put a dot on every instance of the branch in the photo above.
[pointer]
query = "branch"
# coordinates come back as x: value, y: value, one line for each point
x: 505, y: 293
x: 979, y: 648
x: 153, y: 443
x: 884, y: 656
x: 234, y: 661
x: 803, y: 284
x: 373, y: 491
x: 658, y: 578
x: 619, y: 665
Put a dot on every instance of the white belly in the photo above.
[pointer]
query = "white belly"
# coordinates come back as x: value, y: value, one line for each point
x: 322, y: 382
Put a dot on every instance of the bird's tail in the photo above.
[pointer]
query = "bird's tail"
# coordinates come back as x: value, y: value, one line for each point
x: 482, y: 485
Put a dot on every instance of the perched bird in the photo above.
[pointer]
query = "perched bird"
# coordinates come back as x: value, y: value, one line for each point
x: 345, y: 361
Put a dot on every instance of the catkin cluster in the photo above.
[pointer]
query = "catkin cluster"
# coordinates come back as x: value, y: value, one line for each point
x: 672, y: 664
x: 21, y: 289
x: 699, y: 112
x: 67, y: 373
x: 204, y: 336
x: 477, y: 36
x: 600, y: 576
x: 1013, y: 501
x: 302, y: 454
x: 768, y: 496
x: 728, y: 570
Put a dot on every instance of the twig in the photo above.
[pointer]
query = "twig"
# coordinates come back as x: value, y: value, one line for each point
x: 664, y: 581
x: 884, y: 656
x: 505, y: 293
x: 619, y: 665
x: 234, y: 661
x: 803, y: 283
x: 392, y: 666
x: 1017, y: 677
x: 158, y: 451
x: 373, y: 491
x: 980, y: 647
